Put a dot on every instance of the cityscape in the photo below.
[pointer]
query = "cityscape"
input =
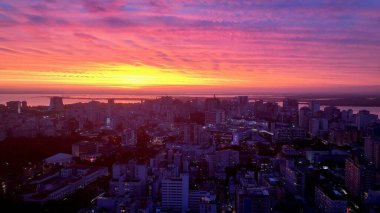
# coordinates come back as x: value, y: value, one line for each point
x: 189, y: 154
x: 186, y: 106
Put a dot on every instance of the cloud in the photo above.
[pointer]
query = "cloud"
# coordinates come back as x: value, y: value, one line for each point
x: 86, y: 36
x: 264, y: 41
x: 8, y: 50
x: 101, y: 6
x: 28, y: 50
x: 6, y: 21
x: 7, y: 7
x: 46, y: 20
x: 2, y: 39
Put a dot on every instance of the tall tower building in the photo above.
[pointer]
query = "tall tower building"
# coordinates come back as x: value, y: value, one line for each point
x: 359, y: 176
x: 330, y: 198
x: 242, y: 104
x: 214, y: 117
x: 191, y: 133
x: 364, y: 119
x: 129, y: 138
x: 290, y: 105
x: 290, y: 111
x: 175, y: 193
x: 212, y: 104
x: 372, y: 151
x: 110, y: 108
x: 304, y: 116
x: 24, y: 105
x: 14, y: 106
x: 254, y: 200
x: 56, y: 103
x: 315, y: 106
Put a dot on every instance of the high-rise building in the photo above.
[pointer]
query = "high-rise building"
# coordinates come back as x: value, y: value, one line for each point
x: 347, y: 115
x: 242, y: 104
x: 304, y: 116
x: 315, y: 106
x: 94, y: 112
x: 373, y: 130
x: 314, y: 126
x: 119, y: 171
x: 290, y: 105
x: 288, y: 134
x: 24, y: 105
x: 331, y: 112
x: 175, y: 193
x: 111, y: 101
x: 359, y: 176
x: 268, y: 110
x: 84, y: 148
x: 208, y: 204
x: 214, y: 117
x: 212, y: 104
x: 211, y: 164
x: 56, y: 103
x: 226, y: 158
x: 177, y: 159
x: 195, y: 198
x: 14, y: 106
x: 253, y: 200
x: 294, y: 179
x: 290, y: 111
x: 129, y: 138
x: 372, y: 151
x: 318, y: 125
x: 364, y: 119
x: 344, y: 136
x: 329, y: 198
x: 242, y: 100
x: 191, y: 133
x: 141, y: 172
x: 110, y: 109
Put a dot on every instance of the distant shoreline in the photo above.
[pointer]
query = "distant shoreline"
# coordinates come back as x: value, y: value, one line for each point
x: 326, y: 100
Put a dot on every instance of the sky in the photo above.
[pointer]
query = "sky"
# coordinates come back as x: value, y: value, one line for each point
x: 189, y: 46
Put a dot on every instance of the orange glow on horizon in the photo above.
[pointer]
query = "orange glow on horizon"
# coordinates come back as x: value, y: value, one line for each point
x: 122, y: 76
x: 134, y: 45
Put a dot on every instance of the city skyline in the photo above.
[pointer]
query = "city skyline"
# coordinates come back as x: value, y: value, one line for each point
x: 189, y: 46
x: 187, y: 106
x: 194, y: 154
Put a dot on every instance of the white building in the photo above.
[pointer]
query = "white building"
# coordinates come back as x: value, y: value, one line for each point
x: 175, y: 193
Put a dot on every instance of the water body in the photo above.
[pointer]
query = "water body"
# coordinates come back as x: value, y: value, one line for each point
x: 356, y: 109
x: 43, y: 99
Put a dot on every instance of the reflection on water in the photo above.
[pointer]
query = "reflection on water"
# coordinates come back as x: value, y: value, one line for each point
x: 43, y: 99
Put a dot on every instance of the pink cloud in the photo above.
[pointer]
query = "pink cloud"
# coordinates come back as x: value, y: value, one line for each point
x: 330, y: 43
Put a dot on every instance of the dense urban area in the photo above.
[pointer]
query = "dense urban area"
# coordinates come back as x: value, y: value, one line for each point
x: 188, y: 154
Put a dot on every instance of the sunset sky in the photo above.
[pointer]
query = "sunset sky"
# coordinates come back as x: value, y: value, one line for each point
x: 203, y: 46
